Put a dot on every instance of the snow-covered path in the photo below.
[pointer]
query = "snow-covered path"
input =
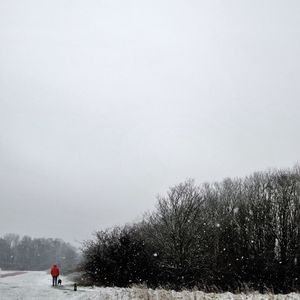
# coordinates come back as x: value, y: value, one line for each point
x: 37, y: 286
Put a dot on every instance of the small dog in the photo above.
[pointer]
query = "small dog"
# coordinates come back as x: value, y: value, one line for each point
x: 59, y: 281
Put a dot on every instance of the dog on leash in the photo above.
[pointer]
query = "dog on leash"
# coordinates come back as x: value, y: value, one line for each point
x: 59, y: 281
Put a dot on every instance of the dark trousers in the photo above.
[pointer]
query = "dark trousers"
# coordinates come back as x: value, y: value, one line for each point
x: 54, y: 280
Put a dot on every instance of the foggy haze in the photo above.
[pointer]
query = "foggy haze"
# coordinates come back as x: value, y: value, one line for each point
x: 105, y: 104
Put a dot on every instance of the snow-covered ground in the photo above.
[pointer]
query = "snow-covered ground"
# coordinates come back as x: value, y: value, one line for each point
x: 37, y: 286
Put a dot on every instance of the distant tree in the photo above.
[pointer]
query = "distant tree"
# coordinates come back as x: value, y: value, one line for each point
x: 36, y: 254
x: 5, y: 254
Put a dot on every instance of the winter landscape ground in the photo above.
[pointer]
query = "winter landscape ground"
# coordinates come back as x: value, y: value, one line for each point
x: 37, y: 285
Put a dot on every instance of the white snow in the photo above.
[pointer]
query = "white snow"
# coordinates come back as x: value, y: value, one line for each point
x: 37, y: 286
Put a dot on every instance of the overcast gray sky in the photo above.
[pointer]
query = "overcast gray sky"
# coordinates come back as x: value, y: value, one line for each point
x: 105, y: 104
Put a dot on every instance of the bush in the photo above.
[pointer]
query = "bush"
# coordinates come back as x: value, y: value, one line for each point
x: 225, y: 236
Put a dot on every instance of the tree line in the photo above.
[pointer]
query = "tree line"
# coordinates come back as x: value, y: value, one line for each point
x: 25, y: 253
x: 227, y: 236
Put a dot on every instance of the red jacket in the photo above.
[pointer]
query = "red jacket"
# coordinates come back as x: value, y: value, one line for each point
x: 55, y: 271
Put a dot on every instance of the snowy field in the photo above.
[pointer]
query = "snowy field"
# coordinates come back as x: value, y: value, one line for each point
x: 37, y: 285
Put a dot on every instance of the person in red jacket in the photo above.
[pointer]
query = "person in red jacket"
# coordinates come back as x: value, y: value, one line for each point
x: 55, y: 274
